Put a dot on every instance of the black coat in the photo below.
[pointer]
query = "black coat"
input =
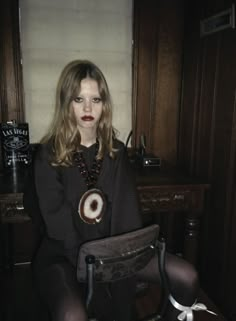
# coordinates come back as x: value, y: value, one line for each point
x: 59, y: 190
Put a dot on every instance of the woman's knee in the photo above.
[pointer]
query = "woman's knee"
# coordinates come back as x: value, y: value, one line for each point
x: 182, y: 272
x: 75, y: 314
x: 183, y: 279
x: 71, y: 311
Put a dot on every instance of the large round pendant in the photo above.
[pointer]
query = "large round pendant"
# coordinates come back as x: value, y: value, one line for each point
x: 92, y: 206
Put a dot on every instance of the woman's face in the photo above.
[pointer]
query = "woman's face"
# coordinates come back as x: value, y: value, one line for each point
x: 88, y: 105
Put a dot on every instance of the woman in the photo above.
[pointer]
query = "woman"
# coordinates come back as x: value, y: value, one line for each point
x: 81, y: 163
x: 86, y: 191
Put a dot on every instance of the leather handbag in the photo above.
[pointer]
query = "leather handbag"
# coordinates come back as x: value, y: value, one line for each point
x: 117, y: 257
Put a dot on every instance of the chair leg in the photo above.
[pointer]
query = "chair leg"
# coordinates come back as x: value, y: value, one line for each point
x: 160, y: 265
x: 161, y: 248
x: 90, y: 260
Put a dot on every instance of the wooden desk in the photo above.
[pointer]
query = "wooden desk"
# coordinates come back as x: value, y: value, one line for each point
x: 11, y: 198
x: 11, y: 212
x: 160, y: 192
x: 167, y: 191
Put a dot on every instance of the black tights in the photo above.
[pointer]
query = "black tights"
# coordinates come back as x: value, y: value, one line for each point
x: 64, y: 296
x: 182, y: 279
x: 59, y: 291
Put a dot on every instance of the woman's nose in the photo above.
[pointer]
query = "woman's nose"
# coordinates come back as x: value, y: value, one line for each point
x: 87, y: 105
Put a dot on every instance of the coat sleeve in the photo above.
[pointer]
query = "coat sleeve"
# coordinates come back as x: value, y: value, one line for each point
x: 55, y: 209
x: 126, y: 215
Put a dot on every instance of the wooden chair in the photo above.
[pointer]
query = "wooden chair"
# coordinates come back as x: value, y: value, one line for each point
x: 129, y: 255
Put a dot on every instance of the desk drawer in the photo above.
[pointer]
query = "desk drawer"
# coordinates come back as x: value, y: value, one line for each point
x: 12, y: 211
x: 158, y: 200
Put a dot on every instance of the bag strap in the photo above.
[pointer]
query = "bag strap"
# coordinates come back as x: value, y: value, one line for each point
x: 161, y: 252
x: 90, y: 261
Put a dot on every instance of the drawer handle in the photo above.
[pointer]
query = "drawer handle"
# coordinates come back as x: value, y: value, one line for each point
x: 179, y: 197
x: 164, y: 199
x: 19, y: 207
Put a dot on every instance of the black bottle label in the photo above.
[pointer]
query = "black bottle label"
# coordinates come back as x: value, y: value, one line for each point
x: 15, y: 144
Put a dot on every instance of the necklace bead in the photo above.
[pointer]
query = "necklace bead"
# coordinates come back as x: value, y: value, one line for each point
x: 91, y: 176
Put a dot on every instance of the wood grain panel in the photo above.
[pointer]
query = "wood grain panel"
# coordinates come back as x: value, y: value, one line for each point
x: 144, y: 68
x: 158, y: 49
x: 207, y: 146
x: 169, y: 76
x: 11, y: 84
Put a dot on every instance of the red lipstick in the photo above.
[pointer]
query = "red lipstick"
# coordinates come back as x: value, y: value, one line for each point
x: 87, y: 118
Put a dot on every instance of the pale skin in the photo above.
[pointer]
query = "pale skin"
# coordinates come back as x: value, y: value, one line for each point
x: 88, y: 107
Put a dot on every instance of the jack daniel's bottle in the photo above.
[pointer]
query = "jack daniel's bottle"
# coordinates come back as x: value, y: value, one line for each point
x: 15, y: 144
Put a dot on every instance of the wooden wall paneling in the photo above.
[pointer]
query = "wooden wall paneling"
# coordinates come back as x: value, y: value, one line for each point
x: 225, y: 125
x: 231, y: 275
x: 168, y: 80
x: 204, y: 154
x: 158, y: 37
x: 191, y: 85
x: 207, y: 101
x: 144, y: 68
x: 191, y: 97
x: 11, y: 86
x: 231, y: 260
x: 207, y: 148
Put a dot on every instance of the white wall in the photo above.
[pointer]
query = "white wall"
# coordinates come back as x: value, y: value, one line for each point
x: 54, y: 32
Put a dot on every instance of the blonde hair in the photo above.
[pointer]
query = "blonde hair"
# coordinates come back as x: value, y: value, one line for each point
x: 63, y: 133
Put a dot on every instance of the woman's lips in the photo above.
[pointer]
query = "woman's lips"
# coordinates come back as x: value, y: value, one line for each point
x: 87, y: 118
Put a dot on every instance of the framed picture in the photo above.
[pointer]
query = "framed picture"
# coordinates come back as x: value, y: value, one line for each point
x: 220, y: 21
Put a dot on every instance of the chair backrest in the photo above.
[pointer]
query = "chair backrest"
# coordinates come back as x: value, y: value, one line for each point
x: 118, y: 257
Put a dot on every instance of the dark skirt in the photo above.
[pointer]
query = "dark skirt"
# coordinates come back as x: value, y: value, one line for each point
x: 58, y: 288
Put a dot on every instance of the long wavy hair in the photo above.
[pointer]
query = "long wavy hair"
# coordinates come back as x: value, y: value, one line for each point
x: 64, y: 134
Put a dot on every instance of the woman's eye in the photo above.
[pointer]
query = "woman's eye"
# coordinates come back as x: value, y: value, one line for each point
x: 78, y: 99
x: 97, y: 100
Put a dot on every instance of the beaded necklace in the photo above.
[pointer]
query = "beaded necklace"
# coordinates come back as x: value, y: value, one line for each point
x: 92, y: 204
x: 91, y: 176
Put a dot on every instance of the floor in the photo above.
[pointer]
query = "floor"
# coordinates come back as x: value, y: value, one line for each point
x: 19, y: 303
